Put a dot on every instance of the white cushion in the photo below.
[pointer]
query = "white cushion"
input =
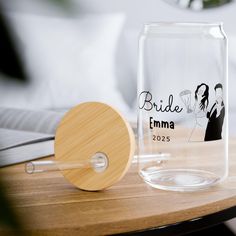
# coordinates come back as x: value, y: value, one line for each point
x: 69, y: 60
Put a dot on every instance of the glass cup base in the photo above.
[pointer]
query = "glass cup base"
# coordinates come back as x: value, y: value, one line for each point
x: 179, y: 179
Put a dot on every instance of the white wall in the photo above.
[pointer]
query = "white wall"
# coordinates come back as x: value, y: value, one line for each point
x: 140, y: 11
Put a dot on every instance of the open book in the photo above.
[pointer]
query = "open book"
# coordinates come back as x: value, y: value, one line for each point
x: 26, y: 135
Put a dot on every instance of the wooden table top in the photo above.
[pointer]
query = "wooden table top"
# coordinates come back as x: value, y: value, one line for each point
x: 49, y: 205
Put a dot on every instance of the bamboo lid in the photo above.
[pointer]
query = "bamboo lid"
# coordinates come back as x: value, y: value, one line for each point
x: 94, y: 130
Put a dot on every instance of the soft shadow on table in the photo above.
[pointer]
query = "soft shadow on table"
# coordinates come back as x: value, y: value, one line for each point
x: 8, y: 218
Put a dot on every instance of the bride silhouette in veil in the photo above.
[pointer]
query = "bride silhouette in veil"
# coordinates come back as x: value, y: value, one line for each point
x: 199, y: 109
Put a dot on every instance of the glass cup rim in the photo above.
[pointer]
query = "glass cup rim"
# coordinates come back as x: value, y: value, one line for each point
x: 183, y: 28
x: 184, y: 24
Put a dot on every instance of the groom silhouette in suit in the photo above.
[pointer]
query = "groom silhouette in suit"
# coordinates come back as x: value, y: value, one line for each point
x: 216, y: 116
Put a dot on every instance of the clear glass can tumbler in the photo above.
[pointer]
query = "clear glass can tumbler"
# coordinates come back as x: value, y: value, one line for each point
x: 182, y: 105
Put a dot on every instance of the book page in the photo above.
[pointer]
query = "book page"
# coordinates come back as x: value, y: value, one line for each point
x: 34, y: 121
x: 13, y: 138
x: 26, y: 152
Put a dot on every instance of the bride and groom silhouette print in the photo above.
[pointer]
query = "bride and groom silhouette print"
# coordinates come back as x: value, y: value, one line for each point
x: 211, y: 120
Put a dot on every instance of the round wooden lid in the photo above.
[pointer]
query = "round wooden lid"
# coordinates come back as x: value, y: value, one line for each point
x: 92, y: 130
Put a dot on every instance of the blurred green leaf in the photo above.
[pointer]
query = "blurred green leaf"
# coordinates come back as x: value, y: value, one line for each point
x: 65, y: 4
x: 214, y: 3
